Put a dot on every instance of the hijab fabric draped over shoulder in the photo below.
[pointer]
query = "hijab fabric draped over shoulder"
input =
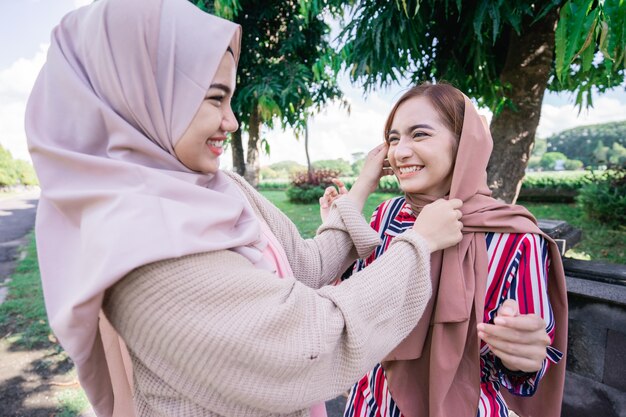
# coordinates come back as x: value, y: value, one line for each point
x: 122, y: 81
x: 435, y: 371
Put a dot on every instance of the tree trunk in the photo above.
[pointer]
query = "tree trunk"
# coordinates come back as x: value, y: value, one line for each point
x: 526, y: 71
x: 306, y: 151
x: 253, y: 164
x: 239, y: 163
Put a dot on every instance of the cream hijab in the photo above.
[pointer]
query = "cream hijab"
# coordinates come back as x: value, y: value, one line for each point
x: 122, y: 81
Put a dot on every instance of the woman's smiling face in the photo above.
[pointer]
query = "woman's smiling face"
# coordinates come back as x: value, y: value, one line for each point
x: 421, y: 148
x: 200, y: 147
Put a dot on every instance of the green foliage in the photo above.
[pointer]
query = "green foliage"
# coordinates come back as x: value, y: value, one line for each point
x: 550, y: 159
x: 307, y: 216
x: 436, y: 40
x: 604, y: 199
x: 276, y: 184
x: 600, y: 242
x: 555, y: 186
x: 23, y: 314
x: 340, y: 165
x: 268, y: 173
x: 467, y: 45
x: 72, y: 402
x: 590, y: 46
x: 573, y: 165
x: 305, y: 194
x: 309, y: 187
x: 14, y: 171
x: 287, y: 67
x: 540, y: 147
x: 617, y: 155
x: 563, y: 180
x: 593, y: 145
x: 357, y: 166
x: 281, y: 170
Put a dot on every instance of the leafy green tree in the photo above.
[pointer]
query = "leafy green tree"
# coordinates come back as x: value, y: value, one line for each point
x: 267, y: 173
x: 534, y: 162
x: 287, y: 169
x: 287, y: 69
x: 540, y: 147
x: 549, y: 159
x: 581, y: 142
x: 617, y: 155
x: 502, y: 53
x: 15, y: 171
x: 601, y: 153
x: 573, y: 165
x: 340, y: 165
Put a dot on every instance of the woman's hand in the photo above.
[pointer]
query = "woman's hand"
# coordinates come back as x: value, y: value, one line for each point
x: 440, y: 223
x: 367, y: 182
x: 519, y: 340
x: 331, y: 194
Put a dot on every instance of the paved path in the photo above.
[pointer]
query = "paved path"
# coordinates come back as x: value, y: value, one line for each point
x: 17, y: 219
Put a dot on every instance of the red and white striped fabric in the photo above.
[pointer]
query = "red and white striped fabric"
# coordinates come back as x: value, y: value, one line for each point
x: 518, y: 265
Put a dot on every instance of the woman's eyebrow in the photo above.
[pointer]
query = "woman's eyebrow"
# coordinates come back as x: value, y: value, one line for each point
x: 420, y: 126
x: 412, y: 128
x: 226, y: 89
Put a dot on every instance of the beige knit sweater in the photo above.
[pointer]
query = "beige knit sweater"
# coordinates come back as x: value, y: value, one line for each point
x: 211, y: 335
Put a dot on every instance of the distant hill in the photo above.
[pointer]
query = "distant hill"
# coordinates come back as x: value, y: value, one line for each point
x: 593, y: 144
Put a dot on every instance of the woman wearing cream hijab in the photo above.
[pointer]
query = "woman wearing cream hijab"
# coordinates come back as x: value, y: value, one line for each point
x: 126, y: 124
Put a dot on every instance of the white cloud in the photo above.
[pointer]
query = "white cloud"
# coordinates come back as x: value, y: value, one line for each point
x: 333, y: 133
x: 16, y: 82
x: 557, y: 118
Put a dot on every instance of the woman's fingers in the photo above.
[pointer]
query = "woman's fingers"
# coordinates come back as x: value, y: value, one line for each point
x: 518, y: 363
x: 522, y: 322
x: 340, y: 185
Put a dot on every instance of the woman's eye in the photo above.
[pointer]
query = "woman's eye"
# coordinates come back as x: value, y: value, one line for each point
x: 392, y: 139
x: 418, y: 135
x: 217, y: 99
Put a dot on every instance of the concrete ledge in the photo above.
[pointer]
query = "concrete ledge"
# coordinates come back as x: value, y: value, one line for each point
x: 585, y: 397
x: 602, y: 291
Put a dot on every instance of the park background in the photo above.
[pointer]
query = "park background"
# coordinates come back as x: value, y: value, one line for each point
x: 340, y: 122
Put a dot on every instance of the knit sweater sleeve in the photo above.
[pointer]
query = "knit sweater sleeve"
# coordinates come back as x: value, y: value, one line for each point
x: 231, y: 339
x: 344, y: 237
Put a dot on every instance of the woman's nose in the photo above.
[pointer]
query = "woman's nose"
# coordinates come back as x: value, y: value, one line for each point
x: 229, y: 122
x: 403, y: 149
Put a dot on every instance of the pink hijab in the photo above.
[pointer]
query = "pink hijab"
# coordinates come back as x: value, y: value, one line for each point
x: 435, y: 371
x: 122, y: 81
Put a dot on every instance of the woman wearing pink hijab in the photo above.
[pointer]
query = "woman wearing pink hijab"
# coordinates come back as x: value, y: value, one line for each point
x: 493, y: 336
x: 152, y: 256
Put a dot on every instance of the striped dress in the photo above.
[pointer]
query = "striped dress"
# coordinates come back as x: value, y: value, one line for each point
x: 518, y: 265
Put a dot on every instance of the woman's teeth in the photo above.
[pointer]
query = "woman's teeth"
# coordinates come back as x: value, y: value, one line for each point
x: 216, y: 143
x: 406, y: 170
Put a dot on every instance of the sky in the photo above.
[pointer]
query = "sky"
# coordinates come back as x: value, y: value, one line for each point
x: 25, y: 27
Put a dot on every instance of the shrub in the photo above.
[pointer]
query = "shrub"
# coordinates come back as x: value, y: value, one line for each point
x: 550, y: 159
x: 307, y: 188
x: 273, y: 185
x: 573, y: 165
x: 604, y: 199
x: 14, y: 171
x: 563, y: 180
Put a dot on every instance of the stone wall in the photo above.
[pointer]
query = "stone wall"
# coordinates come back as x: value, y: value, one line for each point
x: 595, y: 384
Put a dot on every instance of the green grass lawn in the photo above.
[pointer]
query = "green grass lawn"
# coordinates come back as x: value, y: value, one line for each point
x: 23, y: 315
x: 599, y: 242
x: 307, y: 216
